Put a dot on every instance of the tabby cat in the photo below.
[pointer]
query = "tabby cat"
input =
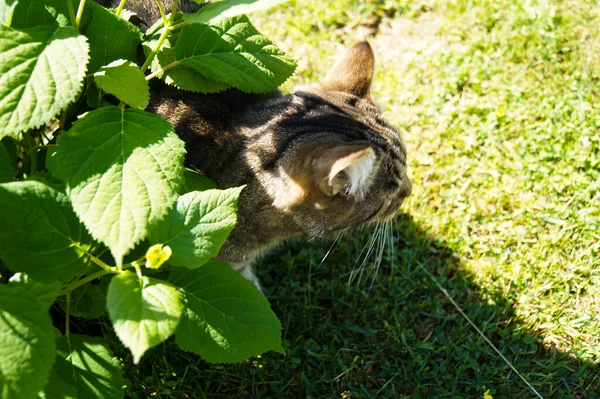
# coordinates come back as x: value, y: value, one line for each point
x: 318, y: 161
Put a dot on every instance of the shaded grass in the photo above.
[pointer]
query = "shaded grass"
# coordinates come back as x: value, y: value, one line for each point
x: 498, y: 103
x: 401, y: 338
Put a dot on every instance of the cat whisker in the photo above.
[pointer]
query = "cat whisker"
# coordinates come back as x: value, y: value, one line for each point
x: 355, y: 270
x: 392, y: 247
x: 382, y: 239
x: 370, y: 246
x: 333, y: 246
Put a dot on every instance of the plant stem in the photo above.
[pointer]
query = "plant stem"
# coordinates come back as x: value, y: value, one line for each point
x: 83, y: 281
x: 107, y: 268
x: 63, y: 118
x: 120, y: 8
x: 79, y: 13
x: 68, y: 313
x: 99, y: 98
x: 71, y: 12
x: 167, y: 29
x: 163, y: 69
x: 42, y: 146
x: 179, y: 25
x: 137, y: 270
x: 159, y: 44
x: 161, y: 8
x: 173, y: 11
x: 32, y: 153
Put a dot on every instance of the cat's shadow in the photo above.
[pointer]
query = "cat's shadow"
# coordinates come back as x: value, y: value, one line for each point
x: 396, y: 337
x: 399, y: 335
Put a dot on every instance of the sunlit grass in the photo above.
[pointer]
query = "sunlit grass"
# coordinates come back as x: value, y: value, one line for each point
x: 498, y: 103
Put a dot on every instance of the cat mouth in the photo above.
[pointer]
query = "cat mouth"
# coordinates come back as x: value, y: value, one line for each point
x: 390, y: 210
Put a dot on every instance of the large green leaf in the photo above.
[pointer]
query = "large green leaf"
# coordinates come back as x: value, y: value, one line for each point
x: 180, y: 76
x: 41, y: 71
x: 7, y: 171
x: 40, y: 234
x: 57, y: 388
x: 27, y: 347
x: 45, y: 293
x: 144, y: 312
x: 198, y: 225
x: 124, y: 80
x: 234, y: 52
x: 30, y: 13
x: 214, y: 12
x: 87, y: 364
x: 226, y: 319
x: 123, y: 170
x: 111, y: 38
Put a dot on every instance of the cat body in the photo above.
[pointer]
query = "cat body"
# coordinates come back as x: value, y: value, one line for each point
x: 318, y: 161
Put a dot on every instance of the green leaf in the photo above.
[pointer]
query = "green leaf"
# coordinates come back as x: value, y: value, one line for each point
x: 197, y: 182
x: 234, y: 52
x: 7, y: 171
x: 226, y: 319
x: 41, y: 71
x: 45, y: 293
x: 214, y: 12
x: 7, y: 8
x: 87, y: 301
x: 144, y: 312
x: 31, y: 13
x: 123, y: 169
x: 58, y: 388
x: 27, y: 347
x: 40, y: 234
x: 124, y: 80
x: 87, y: 364
x: 198, y: 225
x: 180, y: 76
x: 111, y: 38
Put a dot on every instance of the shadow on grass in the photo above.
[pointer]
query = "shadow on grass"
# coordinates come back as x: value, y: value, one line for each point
x: 397, y: 337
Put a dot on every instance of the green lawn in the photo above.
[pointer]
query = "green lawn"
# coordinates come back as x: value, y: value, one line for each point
x: 498, y: 103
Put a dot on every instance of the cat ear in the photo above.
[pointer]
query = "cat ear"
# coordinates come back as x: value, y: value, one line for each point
x: 347, y: 169
x: 324, y: 170
x: 353, y: 72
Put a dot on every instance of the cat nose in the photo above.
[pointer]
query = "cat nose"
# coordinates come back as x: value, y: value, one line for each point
x: 406, y: 189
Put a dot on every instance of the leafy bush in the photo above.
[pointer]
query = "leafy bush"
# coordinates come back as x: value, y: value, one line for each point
x: 98, y: 212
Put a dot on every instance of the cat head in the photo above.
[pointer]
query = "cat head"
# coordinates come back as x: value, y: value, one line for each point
x: 339, y: 163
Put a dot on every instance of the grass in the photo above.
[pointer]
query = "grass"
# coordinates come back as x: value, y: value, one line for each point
x: 498, y: 104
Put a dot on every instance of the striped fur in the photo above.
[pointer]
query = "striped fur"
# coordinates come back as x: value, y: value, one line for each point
x: 318, y: 161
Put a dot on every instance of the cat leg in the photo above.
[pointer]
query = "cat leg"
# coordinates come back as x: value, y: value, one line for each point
x: 245, y: 269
